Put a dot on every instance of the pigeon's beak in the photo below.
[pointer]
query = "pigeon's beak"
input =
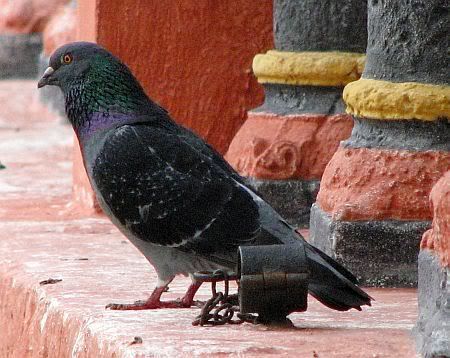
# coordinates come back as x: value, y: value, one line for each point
x: 46, y: 77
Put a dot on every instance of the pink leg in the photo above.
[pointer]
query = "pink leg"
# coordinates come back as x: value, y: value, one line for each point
x: 154, y: 301
x: 188, y: 298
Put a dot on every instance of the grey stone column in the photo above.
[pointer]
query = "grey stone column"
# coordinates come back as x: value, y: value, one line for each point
x: 372, y: 208
x: 285, y: 144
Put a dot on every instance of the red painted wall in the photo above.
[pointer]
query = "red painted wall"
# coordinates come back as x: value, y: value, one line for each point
x: 192, y: 56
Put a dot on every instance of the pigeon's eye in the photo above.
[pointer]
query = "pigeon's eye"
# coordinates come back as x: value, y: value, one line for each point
x: 67, y: 58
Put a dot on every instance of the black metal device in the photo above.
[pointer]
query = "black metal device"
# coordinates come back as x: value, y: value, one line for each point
x: 273, y: 281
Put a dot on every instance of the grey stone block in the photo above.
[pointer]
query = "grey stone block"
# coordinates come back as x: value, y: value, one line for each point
x: 411, y: 135
x: 379, y: 253
x: 433, y: 325
x: 289, y: 99
x: 19, y: 55
x: 291, y: 198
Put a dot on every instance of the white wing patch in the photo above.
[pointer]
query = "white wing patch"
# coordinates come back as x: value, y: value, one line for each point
x: 199, y: 232
x: 251, y: 192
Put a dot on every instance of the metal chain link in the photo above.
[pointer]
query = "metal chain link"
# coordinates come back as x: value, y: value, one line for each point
x: 221, y: 307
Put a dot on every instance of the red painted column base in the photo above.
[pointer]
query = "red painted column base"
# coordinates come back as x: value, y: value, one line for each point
x: 277, y: 147
x: 372, y: 210
x: 438, y: 237
x: 380, y: 184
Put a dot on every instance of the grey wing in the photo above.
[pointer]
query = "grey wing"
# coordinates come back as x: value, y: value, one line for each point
x: 167, y: 192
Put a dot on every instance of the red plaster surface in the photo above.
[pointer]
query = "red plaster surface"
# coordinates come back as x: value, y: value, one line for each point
x: 374, y: 184
x: 438, y: 237
x: 270, y: 146
x: 27, y: 16
x: 61, y: 28
x: 42, y: 237
x: 87, y: 20
x: 193, y: 57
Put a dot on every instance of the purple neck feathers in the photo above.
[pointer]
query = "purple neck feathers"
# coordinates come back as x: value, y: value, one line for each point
x: 99, y: 121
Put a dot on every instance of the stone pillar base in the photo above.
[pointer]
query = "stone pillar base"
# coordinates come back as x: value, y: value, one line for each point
x: 19, y: 55
x: 433, y: 327
x: 379, y: 253
x: 284, y: 155
x: 291, y: 198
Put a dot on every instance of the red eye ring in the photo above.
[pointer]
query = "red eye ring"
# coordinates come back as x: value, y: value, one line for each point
x: 67, y: 58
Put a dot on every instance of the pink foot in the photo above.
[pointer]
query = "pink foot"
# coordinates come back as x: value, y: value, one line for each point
x: 147, y: 305
x: 154, y: 301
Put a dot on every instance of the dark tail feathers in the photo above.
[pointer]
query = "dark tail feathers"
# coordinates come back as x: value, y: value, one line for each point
x: 332, y: 284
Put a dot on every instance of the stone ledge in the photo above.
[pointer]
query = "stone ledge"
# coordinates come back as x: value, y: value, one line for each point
x: 44, y: 236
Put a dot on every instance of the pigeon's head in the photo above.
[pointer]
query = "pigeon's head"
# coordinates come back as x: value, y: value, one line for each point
x: 93, y: 81
x: 74, y: 62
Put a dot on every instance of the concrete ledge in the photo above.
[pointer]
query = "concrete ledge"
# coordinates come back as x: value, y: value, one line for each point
x: 43, y: 235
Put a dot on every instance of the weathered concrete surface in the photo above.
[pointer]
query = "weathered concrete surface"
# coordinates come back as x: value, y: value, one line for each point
x: 376, y: 186
x: 19, y: 55
x: 372, y: 210
x: 379, y: 252
x: 43, y: 236
x: 319, y: 48
x: 412, y: 135
x: 291, y: 198
x: 342, y: 24
x: 433, y: 326
x: 289, y: 99
x: 407, y: 41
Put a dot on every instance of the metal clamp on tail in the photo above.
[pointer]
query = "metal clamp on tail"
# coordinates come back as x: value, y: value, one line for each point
x: 273, y: 281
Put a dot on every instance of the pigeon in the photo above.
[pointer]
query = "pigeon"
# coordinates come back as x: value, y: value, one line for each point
x: 168, y: 191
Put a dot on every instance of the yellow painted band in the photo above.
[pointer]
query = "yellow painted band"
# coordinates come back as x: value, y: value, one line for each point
x: 389, y: 100
x: 308, y: 68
